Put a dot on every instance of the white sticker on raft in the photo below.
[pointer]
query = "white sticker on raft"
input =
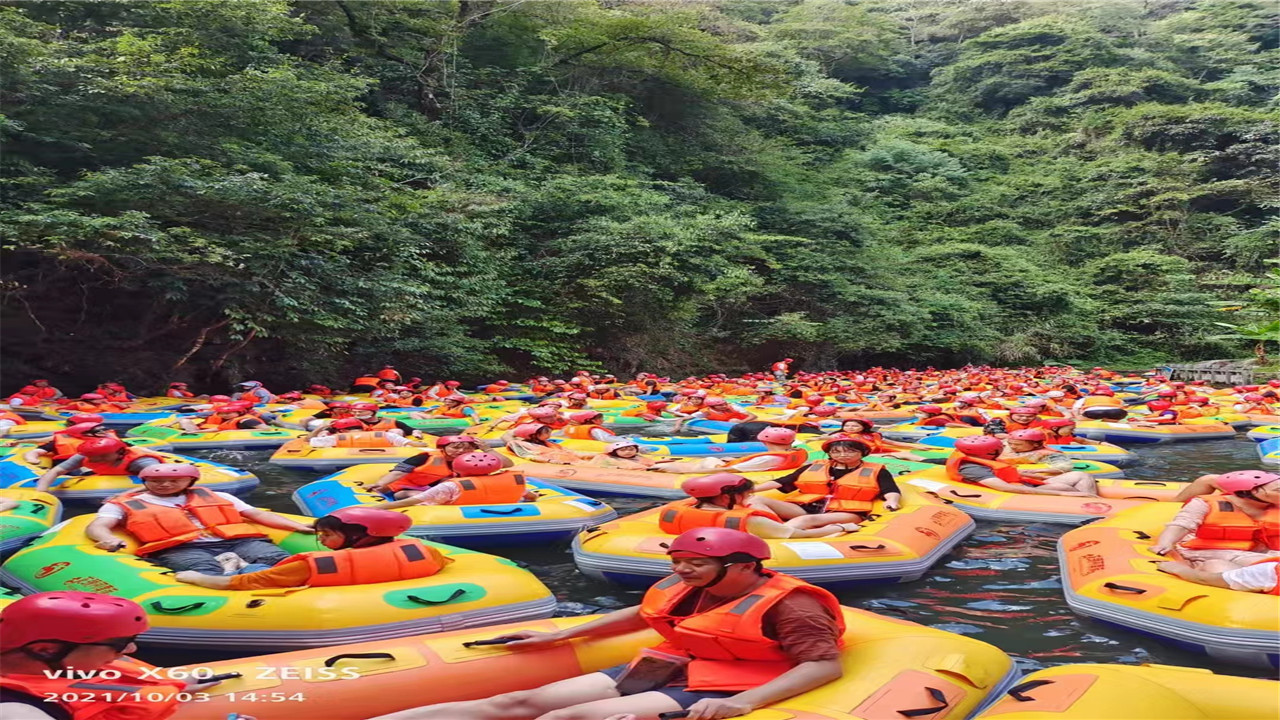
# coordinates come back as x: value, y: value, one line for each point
x: 814, y: 551
x: 930, y: 485
x: 583, y: 505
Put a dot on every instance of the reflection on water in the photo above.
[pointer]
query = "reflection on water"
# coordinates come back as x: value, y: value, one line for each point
x: 1000, y: 586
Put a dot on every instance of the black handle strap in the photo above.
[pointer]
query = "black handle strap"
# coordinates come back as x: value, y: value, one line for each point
x: 938, y: 696
x: 936, y: 496
x: 866, y: 547
x: 158, y: 606
x: 964, y: 495
x: 1148, y: 482
x: 512, y: 511
x: 1123, y: 588
x: 674, y: 715
x: 459, y: 592
x: 1017, y: 692
x: 1141, y: 535
x: 330, y: 662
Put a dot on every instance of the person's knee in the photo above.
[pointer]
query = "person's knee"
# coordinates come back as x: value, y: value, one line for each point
x: 520, y: 703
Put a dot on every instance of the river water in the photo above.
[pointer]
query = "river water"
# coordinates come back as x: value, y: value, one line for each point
x: 1001, y: 585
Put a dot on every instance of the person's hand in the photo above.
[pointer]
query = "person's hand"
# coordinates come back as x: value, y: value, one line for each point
x: 111, y: 545
x: 892, y: 506
x: 715, y: 708
x: 189, y: 577
x: 532, y: 638
x: 1161, y: 548
x: 305, y: 530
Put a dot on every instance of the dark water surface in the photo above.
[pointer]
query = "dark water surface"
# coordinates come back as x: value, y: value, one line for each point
x: 1001, y: 585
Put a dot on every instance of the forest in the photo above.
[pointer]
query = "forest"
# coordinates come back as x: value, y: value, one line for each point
x: 474, y: 188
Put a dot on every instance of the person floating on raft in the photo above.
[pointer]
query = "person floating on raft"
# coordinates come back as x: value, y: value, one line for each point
x: 415, y: 474
x: 350, y: 432
x: 1235, y: 527
x: 976, y: 460
x: 478, y: 478
x: 778, y: 455
x: 725, y: 500
x: 839, y: 490
x: 736, y: 637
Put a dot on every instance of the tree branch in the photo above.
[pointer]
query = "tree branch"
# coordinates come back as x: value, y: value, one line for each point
x: 199, y: 343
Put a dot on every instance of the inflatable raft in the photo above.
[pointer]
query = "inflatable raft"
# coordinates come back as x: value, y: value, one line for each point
x: 298, y: 454
x: 474, y: 590
x: 557, y: 514
x: 1105, y: 453
x: 1269, y: 451
x: 988, y: 504
x: 1257, y: 434
x: 892, y: 669
x: 221, y: 439
x: 1136, y: 692
x: 35, y: 513
x: 1124, y: 433
x: 34, y: 430
x: 891, y: 547
x: 1109, y: 574
x: 15, y: 472
x: 140, y: 411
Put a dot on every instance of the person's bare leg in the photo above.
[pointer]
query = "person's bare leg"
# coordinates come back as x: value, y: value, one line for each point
x: 1082, y: 481
x: 808, y: 522
x: 519, y: 705
x: 645, y: 706
x: 781, y: 508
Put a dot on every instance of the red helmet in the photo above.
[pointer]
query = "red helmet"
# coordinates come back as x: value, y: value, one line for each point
x: 1273, y: 383
x: 92, y: 396
x: 969, y: 398
x: 340, y: 405
x: 930, y: 409
x: 79, y: 429
x: 1244, y: 480
x: 346, y: 423
x: 713, y: 485
x: 716, y: 401
x: 228, y: 408
x: 452, y: 383
x: 578, y: 396
x: 825, y: 410
x: 444, y: 440
x: 1200, y: 399
x: 584, y: 416
x: 373, y: 407
x: 787, y: 360
x: 29, y: 390
x: 1253, y: 397
x: 503, y: 382
x: 170, y: 470
x: 219, y: 398
x: 867, y: 425
x: 455, y: 397
x: 983, y: 446
x: 687, y: 391
x: 73, y: 617
x: 815, y: 398
x: 777, y: 436
x: 82, y: 418
x: 1167, y: 393
x: 1178, y: 384
x: 1103, y: 391
x: 100, y: 446
x: 656, y: 405
x: 1029, y: 435
x: 720, y: 543
x: 1159, y: 405
x: 1057, y: 422
x: 376, y: 523
x: 527, y: 430
x: 476, y: 463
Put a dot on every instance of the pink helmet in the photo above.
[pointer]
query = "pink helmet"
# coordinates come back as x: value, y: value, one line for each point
x: 1028, y: 435
x: 777, y: 436
x: 542, y: 412
x: 1056, y: 423
x: 1241, y: 480
x: 578, y: 396
x: 219, y: 398
x: 1198, y: 399
x: 930, y: 409
x: 968, y: 398
x: 92, y: 396
x: 476, y: 463
x: 720, y: 543
x: 170, y: 470
x: 73, y: 617
x: 1253, y: 397
x: 716, y: 401
x: 444, y: 440
x: 378, y: 523
x: 825, y: 410
x: 1022, y: 410
x: 815, y: 398
x: 983, y: 446
x: 1103, y: 391
x: 585, y: 416
x: 713, y: 485
x: 371, y: 407
x: 527, y: 430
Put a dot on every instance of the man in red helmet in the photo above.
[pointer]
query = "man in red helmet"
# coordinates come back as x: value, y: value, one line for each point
x: 103, y: 456
x: 752, y: 637
x: 185, y: 527
x: 44, y: 635
x: 480, y: 478
x: 976, y: 460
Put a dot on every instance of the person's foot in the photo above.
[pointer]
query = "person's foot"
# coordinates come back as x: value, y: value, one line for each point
x: 231, y: 563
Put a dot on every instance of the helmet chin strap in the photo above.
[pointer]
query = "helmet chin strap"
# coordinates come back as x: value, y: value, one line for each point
x: 52, y: 660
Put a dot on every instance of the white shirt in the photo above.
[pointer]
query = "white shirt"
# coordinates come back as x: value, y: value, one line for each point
x: 328, y: 441
x: 111, y: 511
x: 1252, y: 578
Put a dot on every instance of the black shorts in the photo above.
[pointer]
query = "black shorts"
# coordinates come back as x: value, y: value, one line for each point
x: 1105, y: 413
x: 682, y: 695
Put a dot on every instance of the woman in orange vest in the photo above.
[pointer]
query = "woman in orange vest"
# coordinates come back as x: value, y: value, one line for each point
x: 367, y: 414
x: 935, y: 416
x: 725, y: 500
x: 350, y: 433
x: 532, y: 441
x: 363, y: 550
x: 179, y: 390
x: 451, y: 406
x: 1061, y: 431
x: 778, y: 455
x: 863, y: 430
x: 229, y: 416
x: 719, y: 409
x: 365, y: 383
x: 751, y: 637
x: 1253, y: 404
x: 92, y: 403
x: 622, y: 454
x: 413, y: 475
x: 479, y: 479
x: 1100, y: 404
x: 842, y: 489
x: 1234, y: 528
x: 975, y: 460
x: 588, y: 425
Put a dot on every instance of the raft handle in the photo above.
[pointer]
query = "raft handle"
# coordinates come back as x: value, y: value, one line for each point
x: 512, y: 511
x: 330, y: 662
x: 937, y: 695
x: 948, y: 501
x: 1141, y: 535
x: 159, y: 607
x: 1016, y: 692
x: 962, y: 495
x: 1123, y: 588
x: 1149, y: 482
x: 866, y: 547
x: 674, y: 715
x: 423, y: 601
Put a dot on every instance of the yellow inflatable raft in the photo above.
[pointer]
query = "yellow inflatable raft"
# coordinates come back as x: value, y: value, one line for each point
x: 33, y: 430
x: 1109, y: 573
x: 474, y: 590
x: 34, y: 513
x: 556, y: 515
x: 892, y: 669
x: 988, y: 504
x: 16, y: 472
x: 607, y: 481
x: 168, y: 431
x: 1136, y: 692
x: 298, y: 454
x: 888, y: 548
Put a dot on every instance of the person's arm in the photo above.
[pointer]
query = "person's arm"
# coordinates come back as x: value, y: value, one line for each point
x: 889, y: 490
x: 286, y: 574
x: 1186, y: 572
x: 22, y: 711
x: 439, y: 494
x: 760, y: 464
x: 99, y: 531
x: 1202, y: 485
x: 1168, y: 538
x: 618, y: 622
x: 774, y: 530
x: 272, y: 520
x: 69, y: 465
x: 7, y: 505
x: 787, y: 483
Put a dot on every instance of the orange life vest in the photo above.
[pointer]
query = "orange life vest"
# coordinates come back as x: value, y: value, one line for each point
x: 451, y: 412
x: 791, y: 459
x: 1257, y: 409
x: 681, y: 515
x: 689, y: 408
x: 854, y: 492
x: 609, y: 394
x: 728, y: 646
x: 118, y: 467
x: 1093, y: 401
x: 382, y: 425
x: 498, y: 489
x: 366, y: 380
x: 176, y: 393
x: 388, y: 374
x: 639, y: 411
x: 581, y: 432
x: 363, y: 439
x: 132, y: 696
x: 424, y: 476
x: 15, y: 418
x: 1011, y: 426
x: 398, y: 401
x: 159, y: 527
x: 397, y: 560
x: 1001, y: 470
x: 64, y: 446
x: 724, y: 415
x: 1227, y: 527
x: 214, y: 422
